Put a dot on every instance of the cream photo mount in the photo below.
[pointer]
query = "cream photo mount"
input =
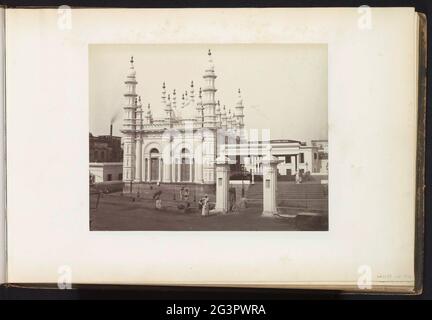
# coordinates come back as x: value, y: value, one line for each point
x: 372, y: 95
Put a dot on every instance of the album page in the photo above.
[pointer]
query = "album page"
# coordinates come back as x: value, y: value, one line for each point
x: 221, y: 147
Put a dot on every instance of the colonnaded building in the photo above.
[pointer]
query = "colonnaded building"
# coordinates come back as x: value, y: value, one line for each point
x: 179, y: 148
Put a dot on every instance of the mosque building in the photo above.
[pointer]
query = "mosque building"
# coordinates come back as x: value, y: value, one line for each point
x: 183, y: 149
x: 175, y: 148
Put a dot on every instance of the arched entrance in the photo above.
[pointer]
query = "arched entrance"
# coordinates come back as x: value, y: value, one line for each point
x: 154, y: 164
x: 185, y: 166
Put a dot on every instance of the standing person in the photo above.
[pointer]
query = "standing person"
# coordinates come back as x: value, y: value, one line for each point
x: 232, y: 198
x: 297, y: 177
x: 158, y: 203
x: 186, y: 194
x: 200, y: 203
x: 157, y: 197
x: 205, y: 206
x: 181, y: 193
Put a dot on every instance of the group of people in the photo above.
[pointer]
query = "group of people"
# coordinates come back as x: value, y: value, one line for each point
x: 203, y: 203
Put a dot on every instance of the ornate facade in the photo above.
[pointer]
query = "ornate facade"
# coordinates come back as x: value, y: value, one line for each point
x: 175, y: 148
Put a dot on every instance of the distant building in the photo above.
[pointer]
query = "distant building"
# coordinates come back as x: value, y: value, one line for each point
x: 322, y: 146
x: 106, y: 148
x: 106, y: 171
x: 106, y: 155
x: 293, y: 155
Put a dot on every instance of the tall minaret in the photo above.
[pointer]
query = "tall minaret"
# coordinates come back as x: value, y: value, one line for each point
x: 224, y: 118
x: 239, y: 111
x: 138, y: 140
x: 199, y: 109
x: 209, y: 91
x: 148, y: 116
x: 139, y: 115
x: 168, y: 109
x: 192, y: 93
x: 129, y: 125
x: 174, y: 104
x: 233, y: 121
x: 164, y: 94
x: 218, y: 115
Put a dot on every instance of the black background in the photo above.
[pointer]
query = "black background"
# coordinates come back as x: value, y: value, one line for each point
x: 172, y: 295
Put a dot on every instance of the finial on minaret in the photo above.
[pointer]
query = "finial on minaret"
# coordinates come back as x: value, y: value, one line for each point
x: 209, y: 52
x: 163, y: 93
x: 192, y: 92
x: 149, y: 116
x: 132, y: 60
x: 239, y: 115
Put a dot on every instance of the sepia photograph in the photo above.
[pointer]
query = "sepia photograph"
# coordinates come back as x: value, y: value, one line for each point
x: 215, y: 148
x: 208, y: 137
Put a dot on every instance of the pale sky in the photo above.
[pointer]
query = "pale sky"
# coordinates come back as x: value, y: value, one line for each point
x: 284, y: 86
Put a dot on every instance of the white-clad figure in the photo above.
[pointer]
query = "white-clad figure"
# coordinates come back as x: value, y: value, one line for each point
x: 205, y: 206
x: 298, y: 178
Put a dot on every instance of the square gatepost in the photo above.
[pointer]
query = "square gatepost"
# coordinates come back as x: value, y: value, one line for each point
x: 222, y: 184
x: 269, y: 185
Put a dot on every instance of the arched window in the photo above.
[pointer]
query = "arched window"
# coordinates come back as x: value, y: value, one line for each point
x: 154, y: 164
x: 185, y: 165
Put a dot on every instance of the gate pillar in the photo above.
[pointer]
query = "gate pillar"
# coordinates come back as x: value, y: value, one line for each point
x: 269, y: 185
x: 222, y: 184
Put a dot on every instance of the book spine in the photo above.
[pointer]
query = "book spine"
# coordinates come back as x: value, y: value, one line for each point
x: 421, y: 155
x: 3, y: 235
